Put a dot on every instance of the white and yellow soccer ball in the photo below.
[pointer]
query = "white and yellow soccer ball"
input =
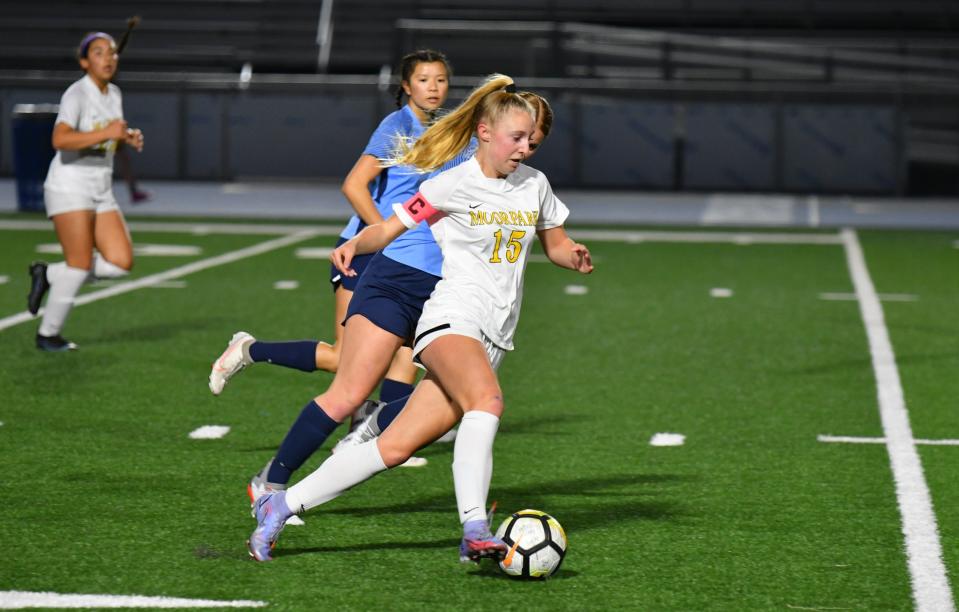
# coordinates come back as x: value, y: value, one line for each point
x: 537, y: 544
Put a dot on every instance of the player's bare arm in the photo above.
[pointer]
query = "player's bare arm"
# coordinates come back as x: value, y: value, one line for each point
x: 564, y: 251
x: 370, y: 240
x: 356, y: 188
x: 65, y: 138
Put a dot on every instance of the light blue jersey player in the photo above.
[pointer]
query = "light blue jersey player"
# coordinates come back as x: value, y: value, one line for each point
x: 371, y: 190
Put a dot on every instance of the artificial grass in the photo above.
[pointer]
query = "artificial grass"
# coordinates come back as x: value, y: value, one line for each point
x: 107, y: 494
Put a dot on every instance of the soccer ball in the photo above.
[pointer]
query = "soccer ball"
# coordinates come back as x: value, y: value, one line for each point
x: 537, y: 544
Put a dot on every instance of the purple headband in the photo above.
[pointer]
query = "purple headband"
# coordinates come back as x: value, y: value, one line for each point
x: 89, y: 38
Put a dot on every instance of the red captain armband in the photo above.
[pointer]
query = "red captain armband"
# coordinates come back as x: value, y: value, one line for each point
x: 418, y: 208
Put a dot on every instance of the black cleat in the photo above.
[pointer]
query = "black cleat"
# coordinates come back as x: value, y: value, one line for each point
x: 55, y: 344
x: 38, y: 286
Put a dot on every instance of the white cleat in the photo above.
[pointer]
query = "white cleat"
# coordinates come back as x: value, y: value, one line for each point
x: 415, y: 462
x: 448, y: 437
x: 231, y: 361
x: 367, y: 428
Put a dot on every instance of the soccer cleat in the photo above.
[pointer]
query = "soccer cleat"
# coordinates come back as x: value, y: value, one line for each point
x: 367, y: 428
x: 39, y: 285
x: 231, y: 361
x: 415, y: 462
x: 478, y: 543
x: 55, y: 344
x: 271, y: 513
x: 360, y: 414
x: 448, y: 437
x: 259, y: 487
x: 138, y: 197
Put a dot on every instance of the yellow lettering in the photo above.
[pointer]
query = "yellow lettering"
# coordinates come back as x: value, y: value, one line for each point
x: 479, y: 217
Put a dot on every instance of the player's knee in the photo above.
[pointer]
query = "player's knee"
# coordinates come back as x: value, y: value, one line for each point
x: 392, y: 452
x: 339, y: 404
x: 124, y: 262
x: 490, y: 401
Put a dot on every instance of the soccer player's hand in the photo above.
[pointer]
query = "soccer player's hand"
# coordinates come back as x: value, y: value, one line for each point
x: 342, y: 257
x: 580, y: 258
x: 134, y: 138
x: 116, y: 130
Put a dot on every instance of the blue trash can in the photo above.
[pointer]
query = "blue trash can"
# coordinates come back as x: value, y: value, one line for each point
x: 32, y: 151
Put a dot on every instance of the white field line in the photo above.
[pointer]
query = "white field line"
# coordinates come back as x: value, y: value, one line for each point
x: 15, y: 600
x: 313, y: 253
x: 109, y: 282
x: 705, y: 237
x: 584, y: 234
x: 198, y: 229
x: 667, y: 439
x: 930, y: 586
x: 190, y: 268
x: 883, y: 297
x: 859, y: 440
x: 209, y: 432
x: 140, y: 249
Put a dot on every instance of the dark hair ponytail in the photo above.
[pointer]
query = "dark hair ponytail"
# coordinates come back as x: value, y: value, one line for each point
x: 408, y: 65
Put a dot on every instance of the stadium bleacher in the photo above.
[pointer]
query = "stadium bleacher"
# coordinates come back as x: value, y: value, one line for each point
x: 903, y: 54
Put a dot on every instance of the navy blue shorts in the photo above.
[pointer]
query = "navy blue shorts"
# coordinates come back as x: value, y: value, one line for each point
x: 359, y: 264
x: 391, y: 295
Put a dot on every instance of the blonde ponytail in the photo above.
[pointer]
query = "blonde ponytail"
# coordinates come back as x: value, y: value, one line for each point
x: 449, y: 135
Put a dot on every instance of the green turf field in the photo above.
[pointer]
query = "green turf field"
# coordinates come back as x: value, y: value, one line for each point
x: 105, y: 493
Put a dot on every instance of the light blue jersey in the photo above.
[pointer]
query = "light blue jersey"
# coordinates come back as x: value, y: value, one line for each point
x: 416, y: 247
x: 395, y: 184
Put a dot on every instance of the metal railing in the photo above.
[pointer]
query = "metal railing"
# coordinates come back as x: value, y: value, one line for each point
x: 640, y: 54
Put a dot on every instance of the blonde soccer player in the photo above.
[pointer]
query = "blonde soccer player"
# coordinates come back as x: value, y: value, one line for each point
x: 382, y: 318
x: 484, y: 214
x: 78, y: 191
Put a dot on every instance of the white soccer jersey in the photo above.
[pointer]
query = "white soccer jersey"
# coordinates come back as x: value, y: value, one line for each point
x: 85, y: 108
x: 485, y: 227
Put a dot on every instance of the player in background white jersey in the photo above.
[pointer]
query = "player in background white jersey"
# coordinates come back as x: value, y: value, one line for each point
x: 483, y: 214
x: 78, y: 191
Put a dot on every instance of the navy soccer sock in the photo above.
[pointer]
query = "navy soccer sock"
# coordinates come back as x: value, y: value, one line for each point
x: 297, y: 354
x: 309, y: 432
x: 390, y: 412
x: 392, y: 390
x: 395, y: 394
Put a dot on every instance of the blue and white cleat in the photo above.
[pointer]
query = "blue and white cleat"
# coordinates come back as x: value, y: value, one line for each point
x: 478, y: 543
x: 55, y: 344
x: 271, y: 514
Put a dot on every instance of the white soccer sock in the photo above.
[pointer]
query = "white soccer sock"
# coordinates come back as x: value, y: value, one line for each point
x: 104, y: 269
x: 347, y: 468
x: 65, y: 283
x: 473, y: 463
